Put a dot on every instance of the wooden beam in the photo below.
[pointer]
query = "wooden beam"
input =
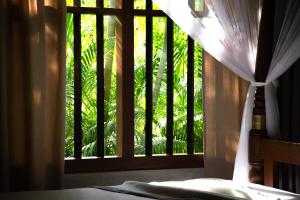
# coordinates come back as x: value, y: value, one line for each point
x: 265, y: 41
x: 263, y: 61
x: 156, y: 13
x: 268, y: 172
x: 170, y: 84
x: 190, y: 92
x: 149, y: 81
x: 77, y: 84
x: 112, y: 11
x: 125, y: 80
x: 274, y: 152
x: 136, y: 163
x: 100, y: 82
x: 190, y: 97
x: 94, y: 10
x: 280, y: 151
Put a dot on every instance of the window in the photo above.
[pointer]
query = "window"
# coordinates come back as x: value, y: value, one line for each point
x: 134, y: 89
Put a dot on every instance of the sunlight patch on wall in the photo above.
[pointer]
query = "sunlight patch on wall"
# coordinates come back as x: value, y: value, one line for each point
x: 32, y: 8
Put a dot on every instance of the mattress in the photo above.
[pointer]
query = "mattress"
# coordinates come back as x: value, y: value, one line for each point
x: 200, y: 189
x: 70, y: 194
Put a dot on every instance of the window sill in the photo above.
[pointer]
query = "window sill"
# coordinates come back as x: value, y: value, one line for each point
x: 137, y: 163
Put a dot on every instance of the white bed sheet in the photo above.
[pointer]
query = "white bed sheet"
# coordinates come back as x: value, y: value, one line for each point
x: 216, y: 186
x: 70, y: 194
x: 231, y: 188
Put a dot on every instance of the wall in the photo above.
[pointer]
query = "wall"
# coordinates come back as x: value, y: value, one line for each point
x: 224, y: 94
x: 115, y: 178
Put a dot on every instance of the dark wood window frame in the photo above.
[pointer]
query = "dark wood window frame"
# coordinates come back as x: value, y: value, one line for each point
x: 125, y: 159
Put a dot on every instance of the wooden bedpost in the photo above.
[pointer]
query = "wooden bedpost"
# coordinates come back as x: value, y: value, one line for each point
x: 257, y: 132
x: 263, y: 61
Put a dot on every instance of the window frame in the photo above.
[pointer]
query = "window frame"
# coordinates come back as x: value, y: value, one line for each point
x: 125, y: 159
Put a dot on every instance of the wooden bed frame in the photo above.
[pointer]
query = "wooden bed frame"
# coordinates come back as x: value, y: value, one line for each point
x: 270, y: 153
x: 264, y: 154
x: 274, y: 151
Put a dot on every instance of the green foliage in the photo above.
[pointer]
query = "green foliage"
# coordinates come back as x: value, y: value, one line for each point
x: 89, y: 89
x: 69, y: 132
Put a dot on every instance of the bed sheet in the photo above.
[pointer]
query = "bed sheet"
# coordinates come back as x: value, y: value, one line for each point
x: 196, y: 189
x: 70, y: 194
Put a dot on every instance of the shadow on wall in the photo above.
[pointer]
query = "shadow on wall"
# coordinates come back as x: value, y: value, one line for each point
x: 224, y: 97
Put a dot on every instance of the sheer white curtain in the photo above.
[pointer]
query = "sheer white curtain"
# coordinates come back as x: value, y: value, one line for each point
x: 229, y: 32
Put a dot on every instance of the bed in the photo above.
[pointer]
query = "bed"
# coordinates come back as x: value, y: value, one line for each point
x: 202, y: 189
x: 263, y: 152
x: 267, y: 153
x: 191, y: 189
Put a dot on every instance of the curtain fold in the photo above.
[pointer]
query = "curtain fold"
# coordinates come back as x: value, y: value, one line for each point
x: 229, y: 32
x: 285, y: 54
x: 32, y: 94
x: 4, y: 167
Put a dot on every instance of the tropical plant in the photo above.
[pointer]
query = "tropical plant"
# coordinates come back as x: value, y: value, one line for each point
x: 89, y: 82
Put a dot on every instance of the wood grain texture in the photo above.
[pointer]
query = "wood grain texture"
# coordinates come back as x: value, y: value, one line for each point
x: 125, y: 80
x: 149, y: 79
x: 273, y: 152
x: 170, y: 84
x: 263, y: 61
x: 125, y: 159
x: 136, y: 163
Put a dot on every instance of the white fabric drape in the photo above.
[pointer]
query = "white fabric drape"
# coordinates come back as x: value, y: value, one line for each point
x: 229, y: 32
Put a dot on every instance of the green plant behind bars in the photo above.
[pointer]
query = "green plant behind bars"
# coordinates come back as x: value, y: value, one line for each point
x: 89, y: 90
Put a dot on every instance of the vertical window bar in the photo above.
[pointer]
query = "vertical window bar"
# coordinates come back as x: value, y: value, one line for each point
x: 190, y: 93
x: 100, y: 83
x: 76, y: 3
x: 149, y: 96
x: 170, y: 91
x: 99, y: 3
x: 190, y: 97
x: 77, y: 84
x: 125, y: 80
